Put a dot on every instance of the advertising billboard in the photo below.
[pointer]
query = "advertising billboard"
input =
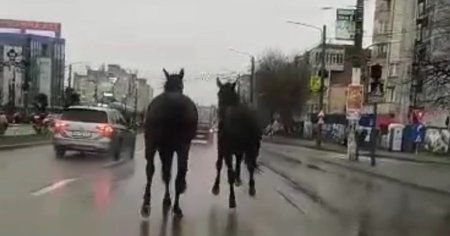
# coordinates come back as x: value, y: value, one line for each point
x: 354, y: 101
x: 31, y: 25
x: 345, y: 24
x: 44, y: 65
x: 9, y: 73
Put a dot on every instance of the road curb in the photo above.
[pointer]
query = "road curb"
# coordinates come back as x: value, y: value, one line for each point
x: 34, y: 143
x: 372, y: 173
x: 382, y: 156
x: 24, y: 145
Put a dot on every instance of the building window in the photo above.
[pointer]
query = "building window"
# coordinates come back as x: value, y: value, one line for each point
x: 419, y: 32
x: 340, y: 58
x: 421, y: 9
x: 382, y: 50
x: 390, y: 92
x: 44, y: 50
x: 388, y: 4
x: 393, y: 69
x: 383, y: 27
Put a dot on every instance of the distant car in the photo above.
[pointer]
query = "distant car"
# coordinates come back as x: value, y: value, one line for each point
x: 50, y: 119
x: 93, y: 129
x: 205, y: 126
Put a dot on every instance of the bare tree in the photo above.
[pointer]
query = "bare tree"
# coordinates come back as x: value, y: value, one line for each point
x: 284, y: 84
x: 433, y: 69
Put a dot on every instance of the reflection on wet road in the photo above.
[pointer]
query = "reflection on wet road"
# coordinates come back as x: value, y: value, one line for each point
x: 86, y: 195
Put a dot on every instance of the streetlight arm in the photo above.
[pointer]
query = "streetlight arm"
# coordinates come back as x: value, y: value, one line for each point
x: 306, y: 25
x: 241, y: 52
x: 381, y: 43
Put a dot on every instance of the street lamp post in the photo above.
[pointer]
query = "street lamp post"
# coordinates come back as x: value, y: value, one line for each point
x: 253, y: 100
x: 323, y: 32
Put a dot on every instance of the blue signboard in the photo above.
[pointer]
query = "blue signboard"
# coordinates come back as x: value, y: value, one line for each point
x: 418, y: 133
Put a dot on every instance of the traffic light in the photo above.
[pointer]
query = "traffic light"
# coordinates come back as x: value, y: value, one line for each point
x: 324, y: 72
x: 376, y: 84
x: 376, y: 71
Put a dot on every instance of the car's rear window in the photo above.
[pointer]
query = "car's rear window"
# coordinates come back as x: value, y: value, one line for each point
x: 82, y: 115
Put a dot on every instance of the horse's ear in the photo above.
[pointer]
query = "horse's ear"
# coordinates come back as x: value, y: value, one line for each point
x: 166, y: 73
x: 233, y: 85
x: 182, y: 73
x: 219, y: 84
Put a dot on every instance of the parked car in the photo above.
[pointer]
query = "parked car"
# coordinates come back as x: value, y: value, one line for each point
x: 93, y: 129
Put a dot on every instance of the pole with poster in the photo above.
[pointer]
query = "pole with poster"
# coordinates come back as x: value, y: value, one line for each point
x: 354, y: 105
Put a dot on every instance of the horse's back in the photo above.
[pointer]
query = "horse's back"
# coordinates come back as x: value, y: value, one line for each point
x: 171, y: 117
x: 241, y: 125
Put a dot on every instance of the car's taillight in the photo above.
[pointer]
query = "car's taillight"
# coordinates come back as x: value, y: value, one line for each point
x: 60, y: 126
x: 105, y: 130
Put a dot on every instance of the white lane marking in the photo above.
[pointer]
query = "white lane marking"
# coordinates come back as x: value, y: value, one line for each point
x: 113, y: 163
x: 291, y: 202
x: 53, y: 187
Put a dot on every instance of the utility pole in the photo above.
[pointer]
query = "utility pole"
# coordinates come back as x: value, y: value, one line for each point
x: 70, y: 76
x: 322, y: 84
x: 96, y: 91
x: 252, y: 94
x: 135, y: 106
x: 359, y: 26
x: 358, y: 76
x: 253, y: 98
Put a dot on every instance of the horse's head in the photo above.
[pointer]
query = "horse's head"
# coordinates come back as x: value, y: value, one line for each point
x: 227, y: 94
x: 174, y: 82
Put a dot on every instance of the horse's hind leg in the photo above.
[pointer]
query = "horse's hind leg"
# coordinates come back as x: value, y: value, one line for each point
x: 251, y: 156
x: 150, y: 151
x: 180, y: 182
x: 238, y: 169
x: 219, y: 163
x: 231, y: 180
x: 166, y: 155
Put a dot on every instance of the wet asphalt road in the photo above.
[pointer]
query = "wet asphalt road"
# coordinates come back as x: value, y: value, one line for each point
x: 87, y: 196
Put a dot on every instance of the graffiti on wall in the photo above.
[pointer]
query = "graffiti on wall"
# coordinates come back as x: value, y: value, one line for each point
x: 437, y: 140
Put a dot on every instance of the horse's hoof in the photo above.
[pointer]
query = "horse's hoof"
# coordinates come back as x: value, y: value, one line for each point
x: 238, y: 182
x: 216, y: 190
x: 252, y: 191
x: 167, y: 202
x: 232, y: 203
x: 177, y: 211
x: 145, y: 211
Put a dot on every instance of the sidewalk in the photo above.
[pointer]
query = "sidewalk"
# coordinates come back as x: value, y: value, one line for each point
x: 429, y: 177
x: 19, y: 136
x: 331, y: 147
x: 19, y: 130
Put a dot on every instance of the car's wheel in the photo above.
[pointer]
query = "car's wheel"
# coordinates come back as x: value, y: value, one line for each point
x: 59, y: 152
x: 117, y: 152
x: 132, y: 149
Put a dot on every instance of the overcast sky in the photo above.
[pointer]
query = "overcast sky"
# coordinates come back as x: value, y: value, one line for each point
x: 195, y: 34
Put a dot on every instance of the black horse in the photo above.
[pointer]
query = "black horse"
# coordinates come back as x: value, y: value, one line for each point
x: 239, y: 135
x: 170, y: 126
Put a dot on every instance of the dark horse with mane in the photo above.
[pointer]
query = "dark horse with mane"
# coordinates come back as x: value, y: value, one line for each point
x: 170, y: 126
x: 239, y: 135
